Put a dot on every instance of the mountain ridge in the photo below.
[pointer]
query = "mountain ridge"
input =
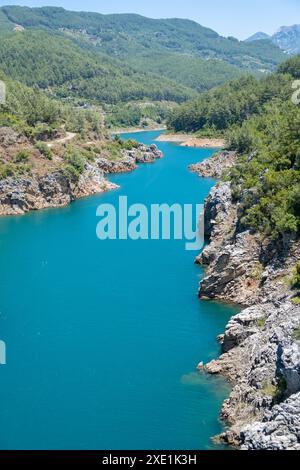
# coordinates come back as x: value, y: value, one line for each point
x: 128, y: 36
x: 287, y: 38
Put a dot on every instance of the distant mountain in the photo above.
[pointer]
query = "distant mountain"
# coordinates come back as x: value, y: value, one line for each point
x: 287, y: 38
x: 177, y: 49
x: 258, y: 37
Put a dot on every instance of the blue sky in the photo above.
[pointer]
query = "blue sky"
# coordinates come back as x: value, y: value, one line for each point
x: 239, y: 18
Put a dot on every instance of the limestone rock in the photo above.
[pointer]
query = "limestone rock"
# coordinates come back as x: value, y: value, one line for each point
x: 261, y: 357
x: 20, y: 195
x: 215, y: 166
x: 278, y: 430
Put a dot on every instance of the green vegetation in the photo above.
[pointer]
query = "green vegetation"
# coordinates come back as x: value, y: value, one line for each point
x: 295, y: 280
x: 296, y: 334
x: 123, y: 58
x: 72, y: 71
x: 229, y: 105
x: 261, y: 322
x: 257, y: 271
x: 291, y: 66
x: 10, y: 170
x: 262, y: 124
x: 121, y: 61
x: 269, y: 390
x: 137, y: 39
x: 5, y: 24
x: 74, y: 166
x: 192, y: 71
x: 38, y: 116
x: 137, y: 114
x: 22, y: 156
x: 267, y: 183
x: 44, y: 149
x: 275, y: 391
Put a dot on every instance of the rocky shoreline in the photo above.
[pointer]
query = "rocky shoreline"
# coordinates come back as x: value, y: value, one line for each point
x: 214, y: 166
x: 261, y: 347
x: 55, y: 189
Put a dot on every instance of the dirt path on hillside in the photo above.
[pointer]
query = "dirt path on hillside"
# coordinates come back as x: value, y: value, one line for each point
x: 62, y: 140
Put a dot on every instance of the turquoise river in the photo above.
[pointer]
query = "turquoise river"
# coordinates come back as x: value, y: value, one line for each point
x: 103, y: 337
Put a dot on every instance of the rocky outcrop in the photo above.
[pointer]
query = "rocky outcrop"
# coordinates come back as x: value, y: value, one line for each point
x: 278, y: 430
x: 215, y: 166
x: 242, y: 267
x: 122, y: 165
x: 20, y: 195
x: 261, y: 356
x: 261, y: 360
x: 130, y: 159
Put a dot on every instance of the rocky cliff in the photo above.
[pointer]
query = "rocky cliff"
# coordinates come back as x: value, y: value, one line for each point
x: 261, y: 347
x: 56, y: 188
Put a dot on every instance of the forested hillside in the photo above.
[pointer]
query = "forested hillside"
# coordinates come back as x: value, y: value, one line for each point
x: 180, y: 50
x: 46, y: 59
x: 267, y: 176
x: 262, y: 124
x: 30, y: 112
x: 233, y: 103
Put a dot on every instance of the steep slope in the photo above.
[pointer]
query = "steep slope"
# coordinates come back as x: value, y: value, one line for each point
x: 49, y: 59
x: 191, y: 71
x: 252, y: 221
x: 45, y: 160
x: 5, y: 24
x: 218, y: 109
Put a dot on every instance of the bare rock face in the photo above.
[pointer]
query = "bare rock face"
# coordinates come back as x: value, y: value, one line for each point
x: 261, y: 357
x: 124, y: 165
x: 130, y: 159
x: 215, y: 166
x: 243, y: 325
x: 278, y: 430
x: 147, y: 154
x: 229, y: 274
x: 230, y: 256
x: 20, y: 195
x: 217, y: 208
x: 242, y: 267
x: 289, y: 367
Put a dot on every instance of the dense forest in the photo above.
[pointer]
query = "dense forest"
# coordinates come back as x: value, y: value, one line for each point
x: 123, y: 61
x: 266, y: 179
x: 179, y: 50
x: 220, y: 108
x: 50, y: 60
x: 31, y: 112
x: 139, y: 114
x: 260, y: 122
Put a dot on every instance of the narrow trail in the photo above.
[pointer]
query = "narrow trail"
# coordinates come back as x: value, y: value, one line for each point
x: 68, y: 137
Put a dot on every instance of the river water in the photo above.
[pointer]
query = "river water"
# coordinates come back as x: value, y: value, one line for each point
x: 103, y: 337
